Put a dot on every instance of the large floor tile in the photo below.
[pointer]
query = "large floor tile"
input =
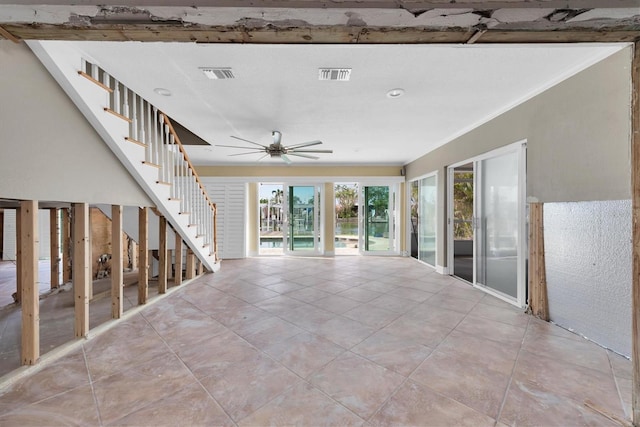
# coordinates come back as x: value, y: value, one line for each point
x: 336, y: 304
x: 304, y: 353
x: 508, y: 315
x: 344, y: 332
x: 530, y: 405
x: 73, y: 408
x: 492, y: 330
x: 397, y: 353
x: 137, y: 387
x: 263, y: 333
x: 191, y: 406
x: 459, y: 377
x: 418, y: 405
x: 63, y: 375
x: 569, y: 380
x: 302, y: 405
x: 360, y: 385
x: 425, y: 333
x: 371, y: 315
x: 243, y: 387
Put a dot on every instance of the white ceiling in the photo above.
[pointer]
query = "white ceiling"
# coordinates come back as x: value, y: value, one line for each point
x: 450, y: 89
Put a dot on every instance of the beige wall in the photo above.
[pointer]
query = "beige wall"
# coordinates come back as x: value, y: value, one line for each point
x: 578, y: 136
x: 50, y: 152
x: 578, y: 140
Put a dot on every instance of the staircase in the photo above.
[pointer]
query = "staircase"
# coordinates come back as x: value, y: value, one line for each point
x: 143, y: 139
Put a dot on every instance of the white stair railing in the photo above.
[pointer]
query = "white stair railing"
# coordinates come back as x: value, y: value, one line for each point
x: 152, y: 129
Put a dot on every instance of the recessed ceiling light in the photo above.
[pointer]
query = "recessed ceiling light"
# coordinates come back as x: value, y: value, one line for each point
x: 395, y: 93
x: 162, y: 91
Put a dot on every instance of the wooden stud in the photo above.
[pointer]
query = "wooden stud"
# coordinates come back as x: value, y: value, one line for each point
x: 7, y: 35
x: 81, y: 267
x: 177, y: 274
x: 134, y: 254
x: 66, y: 246
x: 18, y: 294
x: 117, y: 262
x: 54, y: 241
x: 538, y: 301
x: 635, y: 232
x: 169, y: 265
x: 28, y: 271
x: 143, y: 255
x: 191, y: 264
x: 162, y: 256
x: 200, y: 268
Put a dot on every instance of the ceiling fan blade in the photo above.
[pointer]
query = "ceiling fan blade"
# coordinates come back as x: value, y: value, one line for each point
x: 310, y: 151
x: 303, y: 155
x: 235, y: 146
x: 250, y: 142
x: 266, y: 155
x: 285, y: 158
x: 305, y: 144
x: 244, y: 154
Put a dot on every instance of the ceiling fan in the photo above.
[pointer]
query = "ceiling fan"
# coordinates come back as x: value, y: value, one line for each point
x: 276, y: 149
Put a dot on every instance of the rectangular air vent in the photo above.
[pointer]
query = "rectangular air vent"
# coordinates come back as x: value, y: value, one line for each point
x: 220, y: 73
x: 335, y: 74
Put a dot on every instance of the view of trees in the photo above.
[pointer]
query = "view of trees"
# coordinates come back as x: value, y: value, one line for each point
x: 347, y: 197
x: 463, y: 206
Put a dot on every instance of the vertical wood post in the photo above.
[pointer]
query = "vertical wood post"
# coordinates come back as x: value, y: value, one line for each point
x: 66, y: 246
x: 117, y: 262
x: 177, y: 274
x: 143, y: 255
x: 18, y: 255
x: 635, y: 232
x: 162, y: 256
x: 191, y: 264
x: 134, y: 254
x: 54, y: 241
x: 200, y: 268
x: 169, y: 264
x: 29, y: 278
x: 538, y: 301
x: 81, y: 267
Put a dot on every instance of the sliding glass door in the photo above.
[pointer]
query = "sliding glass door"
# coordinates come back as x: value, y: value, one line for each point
x: 302, y: 219
x: 487, y: 211
x: 377, y: 219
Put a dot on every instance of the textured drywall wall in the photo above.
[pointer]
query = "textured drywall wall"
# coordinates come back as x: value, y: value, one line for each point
x: 49, y: 151
x: 588, y: 261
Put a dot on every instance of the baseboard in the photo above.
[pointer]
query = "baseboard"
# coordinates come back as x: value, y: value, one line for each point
x: 329, y: 253
x: 442, y: 270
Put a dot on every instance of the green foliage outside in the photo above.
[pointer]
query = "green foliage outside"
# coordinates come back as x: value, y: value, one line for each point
x: 463, y: 206
x: 347, y: 196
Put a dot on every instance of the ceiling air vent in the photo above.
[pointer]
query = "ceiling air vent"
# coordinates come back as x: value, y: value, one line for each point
x: 220, y: 73
x: 335, y: 74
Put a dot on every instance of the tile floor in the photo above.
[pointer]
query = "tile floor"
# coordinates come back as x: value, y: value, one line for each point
x: 316, y: 341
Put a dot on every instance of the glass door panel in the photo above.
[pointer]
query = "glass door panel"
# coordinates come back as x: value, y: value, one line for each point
x: 497, y: 224
x: 427, y: 220
x: 302, y: 219
x: 377, y: 218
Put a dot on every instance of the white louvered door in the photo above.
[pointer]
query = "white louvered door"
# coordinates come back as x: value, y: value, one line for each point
x: 230, y: 199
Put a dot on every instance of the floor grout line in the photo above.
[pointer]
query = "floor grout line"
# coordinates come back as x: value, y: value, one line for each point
x: 93, y: 391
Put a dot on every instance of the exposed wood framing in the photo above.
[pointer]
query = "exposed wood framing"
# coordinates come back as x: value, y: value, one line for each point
x: 538, y: 301
x: 165, y: 32
x: 54, y: 241
x: 29, y: 274
x: 635, y: 196
x: 191, y: 264
x: 18, y: 297
x: 162, y: 255
x: 66, y: 246
x: 134, y: 254
x: 200, y: 268
x: 7, y: 35
x: 81, y: 267
x: 117, y: 262
x: 177, y: 275
x: 169, y: 265
x: 143, y: 255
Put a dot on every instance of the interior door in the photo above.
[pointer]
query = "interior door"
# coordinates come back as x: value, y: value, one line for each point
x: 377, y: 219
x: 302, y: 220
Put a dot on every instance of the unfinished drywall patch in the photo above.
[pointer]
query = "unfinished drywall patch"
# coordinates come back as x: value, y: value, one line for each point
x: 588, y: 259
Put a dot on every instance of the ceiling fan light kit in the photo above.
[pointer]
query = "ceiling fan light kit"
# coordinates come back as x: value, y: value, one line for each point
x: 277, y: 150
